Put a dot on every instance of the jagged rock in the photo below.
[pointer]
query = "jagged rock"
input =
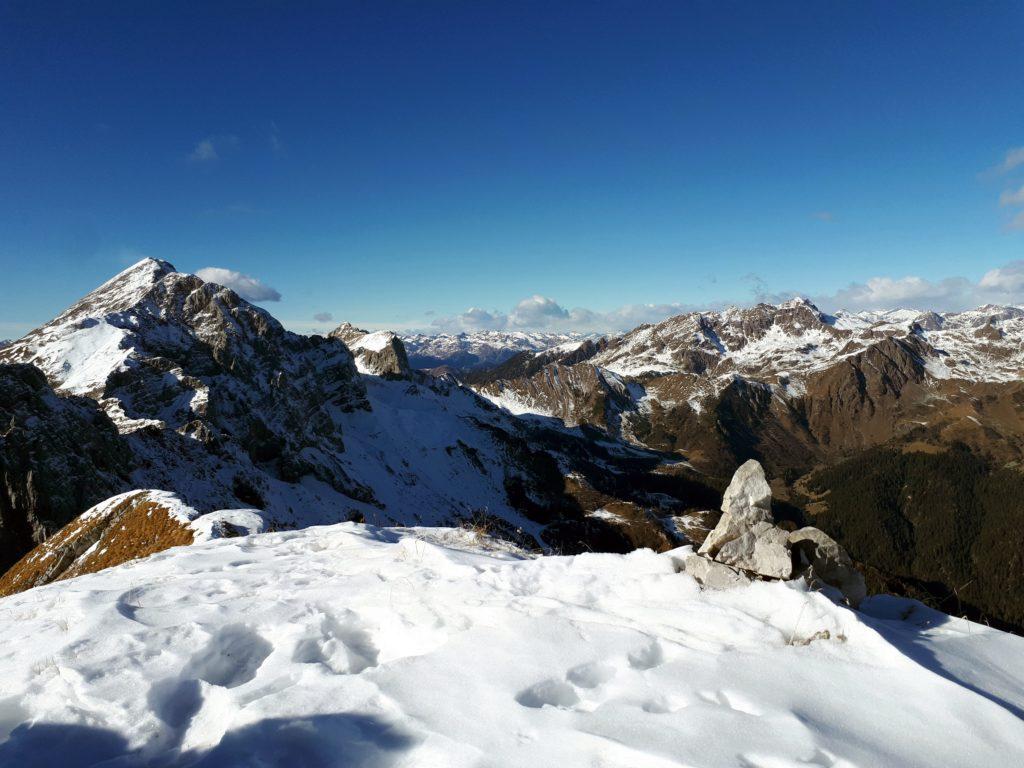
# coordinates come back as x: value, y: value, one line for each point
x: 378, y: 353
x: 762, y: 549
x: 746, y: 503
x: 712, y: 575
x: 381, y: 354
x: 748, y: 490
x: 828, y: 562
x: 348, y: 332
x: 58, y: 456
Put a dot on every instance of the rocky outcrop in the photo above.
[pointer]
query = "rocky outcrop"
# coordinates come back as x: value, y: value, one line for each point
x: 58, y: 456
x: 125, y: 527
x: 762, y: 549
x: 378, y: 353
x: 745, y: 544
x: 714, y: 575
x: 820, y: 556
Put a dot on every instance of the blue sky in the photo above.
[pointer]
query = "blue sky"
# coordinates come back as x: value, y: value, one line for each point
x: 549, y: 164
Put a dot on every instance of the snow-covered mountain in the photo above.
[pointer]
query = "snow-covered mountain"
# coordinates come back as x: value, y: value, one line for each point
x: 358, y: 646
x: 216, y: 402
x: 482, y: 349
x: 792, y: 351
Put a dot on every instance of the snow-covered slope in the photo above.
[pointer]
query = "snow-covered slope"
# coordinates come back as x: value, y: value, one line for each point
x: 468, y: 351
x: 353, y: 646
x: 791, y: 340
x: 218, y: 403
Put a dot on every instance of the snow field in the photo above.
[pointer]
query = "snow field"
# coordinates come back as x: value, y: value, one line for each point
x: 350, y: 645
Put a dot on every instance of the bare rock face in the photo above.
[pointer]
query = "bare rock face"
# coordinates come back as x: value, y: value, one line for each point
x: 58, y: 456
x: 762, y: 549
x: 747, y: 502
x: 825, y: 560
x: 712, y: 575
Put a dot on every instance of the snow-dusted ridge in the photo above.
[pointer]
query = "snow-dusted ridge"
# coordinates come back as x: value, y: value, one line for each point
x: 355, y: 646
x: 480, y: 349
x: 795, y: 338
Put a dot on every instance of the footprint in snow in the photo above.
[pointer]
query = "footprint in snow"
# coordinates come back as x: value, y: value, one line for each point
x: 733, y: 701
x: 648, y: 657
x: 231, y: 658
x: 343, y: 645
x: 590, y: 675
x: 551, y: 693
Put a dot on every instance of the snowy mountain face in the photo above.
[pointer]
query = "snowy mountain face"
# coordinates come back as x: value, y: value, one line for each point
x: 838, y: 408
x: 357, y: 646
x: 214, y: 401
x: 483, y: 349
x: 686, y: 365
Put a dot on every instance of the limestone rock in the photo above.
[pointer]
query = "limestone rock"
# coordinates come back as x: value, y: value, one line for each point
x: 748, y: 490
x: 829, y: 562
x: 58, y: 456
x: 762, y: 549
x: 747, y: 502
x: 712, y: 575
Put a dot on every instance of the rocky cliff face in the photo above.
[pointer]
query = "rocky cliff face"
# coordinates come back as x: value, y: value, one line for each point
x: 58, y: 456
x: 378, y: 353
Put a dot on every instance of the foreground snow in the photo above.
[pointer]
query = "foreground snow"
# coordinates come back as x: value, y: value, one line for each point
x: 354, y: 646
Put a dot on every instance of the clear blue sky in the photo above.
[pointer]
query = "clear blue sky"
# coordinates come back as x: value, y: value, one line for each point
x: 394, y: 163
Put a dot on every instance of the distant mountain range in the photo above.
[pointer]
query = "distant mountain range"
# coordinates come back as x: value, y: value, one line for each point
x: 900, y: 433
x: 483, y: 349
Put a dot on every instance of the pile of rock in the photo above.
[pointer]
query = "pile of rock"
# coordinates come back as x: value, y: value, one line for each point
x: 747, y: 545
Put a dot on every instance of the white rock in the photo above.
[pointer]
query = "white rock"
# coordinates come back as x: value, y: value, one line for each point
x: 829, y: 562
x: 747, y: 490
x: 712, y: 575
x: 762, y: 549
x: 747, y: 502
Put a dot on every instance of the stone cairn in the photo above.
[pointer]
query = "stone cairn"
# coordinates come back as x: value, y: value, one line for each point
x: 747, y: 545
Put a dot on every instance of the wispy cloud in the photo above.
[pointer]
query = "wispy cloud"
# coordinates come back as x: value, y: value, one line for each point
x: 275, y: 139
x: 540, y: 313
x: 246, y: 286
x: 1011, y: 197
x: 824, y: 215
x: 211, y: 148
x: 1014, y: 159
x: 323, y: 317
x: 1002, y: 285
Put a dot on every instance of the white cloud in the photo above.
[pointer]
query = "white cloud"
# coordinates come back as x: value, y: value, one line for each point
x: 211, y: 148
x: 910, y: 291
x: 1014, y: 158
x: 1007, y: 280
x: 1002, y: 285
x: 1017, y: 222
x: 246, y: 286
x: 538, y: 313
x: 1009, y: 197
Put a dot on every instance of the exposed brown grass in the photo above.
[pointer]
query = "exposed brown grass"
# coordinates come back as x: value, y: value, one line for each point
x: 136, y: 527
